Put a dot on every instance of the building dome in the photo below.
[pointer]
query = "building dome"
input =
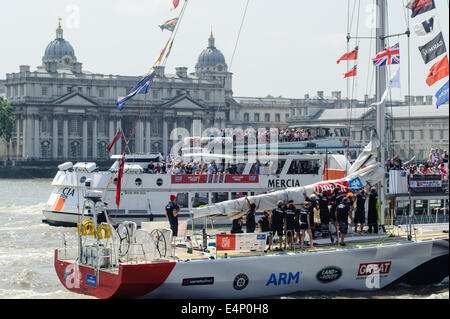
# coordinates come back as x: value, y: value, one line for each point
x: 211, y: 57
x: 59, y: 49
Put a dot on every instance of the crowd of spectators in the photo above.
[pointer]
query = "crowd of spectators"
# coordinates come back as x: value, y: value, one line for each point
x: 437, y: 164
x: 284, y: 135
x: 175, y: 167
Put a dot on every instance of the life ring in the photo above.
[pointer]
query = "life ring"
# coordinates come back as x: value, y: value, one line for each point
x: 87, y: 228
x: 346, y: 142
x: 103, y: 231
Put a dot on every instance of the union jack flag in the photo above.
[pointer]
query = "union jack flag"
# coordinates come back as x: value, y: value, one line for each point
x: 389, y: 56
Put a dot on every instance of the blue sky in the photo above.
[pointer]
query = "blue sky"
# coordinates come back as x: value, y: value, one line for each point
x: 287, y: 47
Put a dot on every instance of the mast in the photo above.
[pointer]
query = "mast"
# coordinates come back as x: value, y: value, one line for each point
x: 380, y: 88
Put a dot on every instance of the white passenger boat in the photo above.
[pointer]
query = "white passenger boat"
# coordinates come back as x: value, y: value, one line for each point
x: 144, y: 195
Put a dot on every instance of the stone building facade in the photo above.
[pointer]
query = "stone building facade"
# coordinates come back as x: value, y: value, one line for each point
x: 63, y: 112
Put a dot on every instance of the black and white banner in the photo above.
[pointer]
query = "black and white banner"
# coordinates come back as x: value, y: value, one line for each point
x: 433, y: 49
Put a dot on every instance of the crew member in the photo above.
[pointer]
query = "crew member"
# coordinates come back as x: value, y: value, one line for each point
x: 335, y: 199
x: 360, y: 214
x: 172, y: 210
x: 264, y: 227
x: 342, y: 215
x: 236, y: 226
x: 372, y: 215
x: 250, y: 222
x: 324, y: 214
x: 278, y: 218
x: 305, y: 224
x: 290, y: 221
x: 313, y: 204
x: 101, y: 217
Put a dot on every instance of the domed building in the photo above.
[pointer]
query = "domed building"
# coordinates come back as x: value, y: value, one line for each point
x: 211, y: 65
x: 60, y: 54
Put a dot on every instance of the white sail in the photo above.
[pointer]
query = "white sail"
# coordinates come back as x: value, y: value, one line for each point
x: 365, y: 169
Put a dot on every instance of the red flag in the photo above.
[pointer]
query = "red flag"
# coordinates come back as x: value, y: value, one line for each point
x: 119, y: 180
x: 175, y: 3
x: 114, y: 140
x: 438, y: 71
x: 353, y: 55
x: 350, y: 73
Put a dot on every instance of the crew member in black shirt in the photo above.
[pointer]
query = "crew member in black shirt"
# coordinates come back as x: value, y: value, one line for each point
x: 236, y: 226
x: 101, y: 217
x: 291, y: 214
x: 305, y: 224
x: 172, y: 210
x: 278, y: 221
x: 360, y: 214
x: 372, y: 214
x: 342, y: 214
x: 250, y: 217
x: 313, y: 203
x: 324, y: 214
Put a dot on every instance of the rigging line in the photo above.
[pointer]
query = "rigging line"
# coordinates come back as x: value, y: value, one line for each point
x: 174, y: 34
x: 354, y: 82
x: 239, y: 34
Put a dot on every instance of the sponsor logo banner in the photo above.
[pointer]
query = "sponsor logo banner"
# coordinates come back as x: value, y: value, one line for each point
x: 91, y: 280
x: 329, y: 274
x: 256, y: 242
x: 214, y: 179
x: 377, y: 268
x: 283, y: 278
x: 198, y: 281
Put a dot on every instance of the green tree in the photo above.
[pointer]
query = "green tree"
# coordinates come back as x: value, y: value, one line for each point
x: 6, y: 119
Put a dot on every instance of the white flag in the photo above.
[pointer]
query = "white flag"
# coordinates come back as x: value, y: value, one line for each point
x: 427, y: 27
x: 394, y: 82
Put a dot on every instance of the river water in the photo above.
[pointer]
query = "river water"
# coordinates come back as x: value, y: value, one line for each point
x: 27, y: 247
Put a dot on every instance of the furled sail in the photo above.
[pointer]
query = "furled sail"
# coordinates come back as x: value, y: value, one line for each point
x: 365, y: 169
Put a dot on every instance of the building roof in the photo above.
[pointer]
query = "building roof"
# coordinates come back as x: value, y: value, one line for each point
x: 397, y: 112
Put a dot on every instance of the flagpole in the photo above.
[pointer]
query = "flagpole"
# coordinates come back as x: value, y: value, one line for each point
x: 380, y: 88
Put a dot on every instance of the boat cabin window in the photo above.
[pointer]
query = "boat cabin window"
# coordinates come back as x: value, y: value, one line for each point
x: 236, y: 195
x: 280, y: 166
x: 182, y: 199
x: 304, y: 167
x: 200, y: 199
x: 340, y: 132
x: 217, y: 197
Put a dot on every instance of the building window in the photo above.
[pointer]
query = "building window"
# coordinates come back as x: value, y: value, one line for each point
x: 80, y: 89
x: 256, y: 117
x: 45, y: 149
x: 101, y: 92
x: 155, y: 94
x: 278, y: 117
x: 441, y: 134
x: 421, y: 134
x: 44, y: 91
x: 411, y: 134
x: 207, y: 96
x: 246, y: 117
x: 431, y: 134
x: 59, y: 90
x: 267, y: 117
x: 89, y: 91
x: 403, y: 135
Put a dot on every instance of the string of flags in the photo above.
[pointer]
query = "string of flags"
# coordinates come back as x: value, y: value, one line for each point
x: 434, y: 48
x: 142, y: 87
x: 430, y: 51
